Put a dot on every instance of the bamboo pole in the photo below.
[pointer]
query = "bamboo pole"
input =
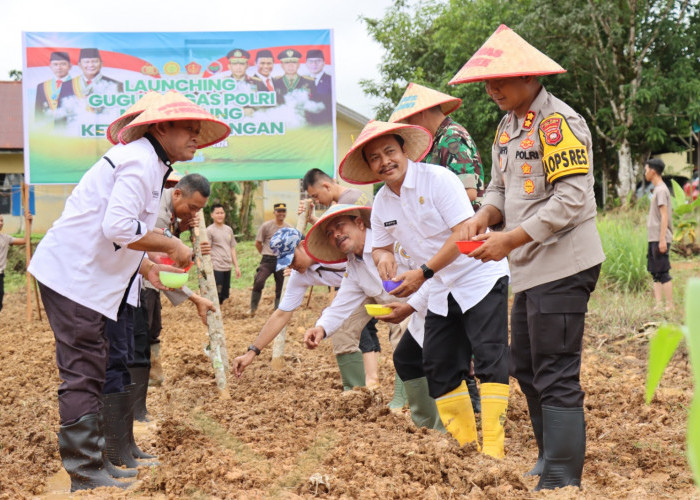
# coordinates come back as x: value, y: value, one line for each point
x: 215, y: 323
x: 281, y: 339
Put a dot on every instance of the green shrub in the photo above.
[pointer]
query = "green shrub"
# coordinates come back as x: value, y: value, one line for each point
x: 624, y: 239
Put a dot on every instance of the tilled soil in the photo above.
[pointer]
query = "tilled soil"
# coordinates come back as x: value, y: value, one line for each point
x: 293, y: 433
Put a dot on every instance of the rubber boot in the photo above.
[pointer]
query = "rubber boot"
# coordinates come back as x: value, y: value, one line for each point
x: 352, y: 370
x: 494, y: 403
x: 139, y: 376
x: 136, y: 452
x: 112, y: 469
x: 79, y: 444
x: 535, y: 408
x: 457, y: 414
x: 254, y: 301
x: 115, y: 410
x: 399, y: 400
x: 564, y: 439
x: 474, y: 394
x: 424, y: 412
x: 155, y: 376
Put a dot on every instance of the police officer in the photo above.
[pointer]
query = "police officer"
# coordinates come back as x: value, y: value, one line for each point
x: 452, y: 146
x: 238, y: 64
x: 291, y: 80
x: 542, y: 188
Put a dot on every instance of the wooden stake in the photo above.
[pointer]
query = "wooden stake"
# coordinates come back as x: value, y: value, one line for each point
x: 281, y: 339
x: 207, y: 287
x: 27, y: 248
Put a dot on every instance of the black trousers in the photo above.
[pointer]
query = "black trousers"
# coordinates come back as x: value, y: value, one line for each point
x: 408, y: 358
x: 546, y: 329
x: 267, y: 266
x: 147, y: 327
x: 120, y: 335
x: 81, y: 354
x: 2, y: 288
x: 223, y: 284
x: 369, y: 342
x: 451, y: 340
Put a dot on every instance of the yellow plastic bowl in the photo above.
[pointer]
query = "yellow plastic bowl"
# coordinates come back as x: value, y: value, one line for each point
x: 173, y: 280
x: 377, y: 309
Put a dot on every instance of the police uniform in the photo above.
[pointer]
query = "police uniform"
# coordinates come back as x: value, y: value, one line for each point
x: 247, y: 83
x: 284, y: 85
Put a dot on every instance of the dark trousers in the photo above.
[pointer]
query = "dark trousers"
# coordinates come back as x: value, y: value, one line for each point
x: 223, y: 284
x: 2, y: 288
x: 369, y: 342
x: 546, y: 329
x: 150, y: 301
x: 147, y: 325
x: 408, y: 358
x: 120, y: 335
x: 267, y: 266
x: 81, y: 354
x: 451, y: 340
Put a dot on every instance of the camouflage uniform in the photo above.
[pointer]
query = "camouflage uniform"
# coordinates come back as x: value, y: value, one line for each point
x: 454, y: 148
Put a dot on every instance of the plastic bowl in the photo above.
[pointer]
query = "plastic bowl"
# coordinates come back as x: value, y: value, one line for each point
x: 170, y: 262
x: 467, y: 247
x: 390, y: 285
x: 377, y: 309
x: 173, y: 280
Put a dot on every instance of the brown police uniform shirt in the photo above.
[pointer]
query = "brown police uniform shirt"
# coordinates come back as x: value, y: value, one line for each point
x: 267, y: 229
x: 222, y: 241
x: 661, y: 197
x: 353, y: 196
x: 542, y: 180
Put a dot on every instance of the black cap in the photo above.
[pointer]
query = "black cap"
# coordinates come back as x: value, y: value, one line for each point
x: 315, y: 54
x: 238, y: 55
x: 289, y: 55
x: 280, y: 206
x: 89, y: 54
x: 263, y: 53
x: 59, y: 56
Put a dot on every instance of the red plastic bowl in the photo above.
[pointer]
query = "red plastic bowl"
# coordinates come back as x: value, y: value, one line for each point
x: 170, y: 262
x: 467, y: 247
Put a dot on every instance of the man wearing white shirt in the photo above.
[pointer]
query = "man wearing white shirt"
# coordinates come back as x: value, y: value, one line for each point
x: 91, y: 254
x: 343, y: 233
x: 422, y: 207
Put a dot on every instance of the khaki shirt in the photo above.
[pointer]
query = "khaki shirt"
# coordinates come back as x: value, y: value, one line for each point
x: 5, y: 242
x: 661, y: 197
x: 352, y: 196
x: 222, y: 242
x: 267, y: 229
x: 555, y: 204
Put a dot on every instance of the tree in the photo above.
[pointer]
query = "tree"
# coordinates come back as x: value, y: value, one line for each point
x: 633, y: 67
x: 15, y: 75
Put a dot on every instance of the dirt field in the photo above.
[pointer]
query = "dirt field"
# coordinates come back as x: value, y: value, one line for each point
x: 282, y: 428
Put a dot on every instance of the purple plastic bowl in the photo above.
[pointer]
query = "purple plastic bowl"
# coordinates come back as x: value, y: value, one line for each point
x: 390, y: 285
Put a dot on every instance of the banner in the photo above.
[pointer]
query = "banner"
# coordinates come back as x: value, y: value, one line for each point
x: 274, y: 88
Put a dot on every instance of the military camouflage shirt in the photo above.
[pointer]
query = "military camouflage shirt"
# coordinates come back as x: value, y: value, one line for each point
x: 454, y: 148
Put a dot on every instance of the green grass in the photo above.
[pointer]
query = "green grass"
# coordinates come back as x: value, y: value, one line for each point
x: 624, y: 238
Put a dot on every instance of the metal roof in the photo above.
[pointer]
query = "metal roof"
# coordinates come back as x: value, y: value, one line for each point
x: 11, y: 116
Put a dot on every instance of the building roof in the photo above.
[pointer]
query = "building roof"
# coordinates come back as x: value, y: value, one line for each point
x: 351, y: 115
x: 11, y: 122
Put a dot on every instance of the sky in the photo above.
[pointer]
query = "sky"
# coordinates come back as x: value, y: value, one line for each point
x: 357, y: 55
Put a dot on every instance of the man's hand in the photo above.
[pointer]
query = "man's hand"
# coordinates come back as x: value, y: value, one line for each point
x: 412, y: 281
x: 287, y: 272
x: 241, y: 363
x: 498, y: 244
x: 205, y: 247
x: 203, y: 305
x: 180, y: 253
x: 386, y: 263
x: 400, y: 311
x: 153, y: 275
x: 314, y: 336
x: 472, y: 227
x: 238, y: 272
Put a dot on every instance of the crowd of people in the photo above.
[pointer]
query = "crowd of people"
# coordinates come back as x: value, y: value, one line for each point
x: 533, y: 229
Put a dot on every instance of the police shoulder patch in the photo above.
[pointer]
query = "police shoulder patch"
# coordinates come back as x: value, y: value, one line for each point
x: 563, y: 153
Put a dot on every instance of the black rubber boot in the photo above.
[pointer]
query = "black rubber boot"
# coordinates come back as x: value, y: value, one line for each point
x: 254, y: 301
x: 80, y: 446
x: 139, y: 377
x: 564, y: 440
x: 474, y: 394
x: 117, y: 445
x: 535, y: 408
x: 112, y: 469
x: 136, y: 452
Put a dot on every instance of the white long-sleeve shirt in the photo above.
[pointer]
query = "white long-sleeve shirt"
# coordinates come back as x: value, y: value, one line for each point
x: 84, y: 255
x: 361, y: 281
x: 299, y: 282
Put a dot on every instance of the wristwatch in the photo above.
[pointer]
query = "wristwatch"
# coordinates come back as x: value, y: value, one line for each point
x: 166, y: 232
x: 251, y: 347
x: 427, y: 272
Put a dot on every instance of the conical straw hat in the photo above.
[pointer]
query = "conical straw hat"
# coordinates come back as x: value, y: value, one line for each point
x: 318, y: 246
x: 136, y: 109
x: 505, y: 54
x: 173, y: 106
x: 418, y: 98
x: 354, y: 169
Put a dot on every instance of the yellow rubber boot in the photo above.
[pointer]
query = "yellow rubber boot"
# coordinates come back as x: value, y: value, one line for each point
x: 457, y: 415
x: 494, y: 402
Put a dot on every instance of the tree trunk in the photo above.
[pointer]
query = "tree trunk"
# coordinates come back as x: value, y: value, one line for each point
x: 627, y: 174
x: 207, y: 287
x: 280, y: 340
x: 246, y: 201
